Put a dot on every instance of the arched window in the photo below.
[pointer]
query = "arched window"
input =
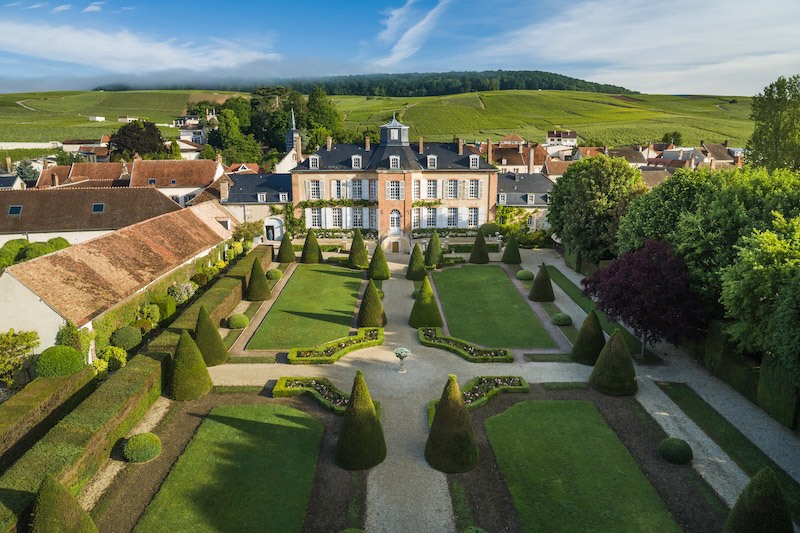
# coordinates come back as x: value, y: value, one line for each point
x: 394, y: 221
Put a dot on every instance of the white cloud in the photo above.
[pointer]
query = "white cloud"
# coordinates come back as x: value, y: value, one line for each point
x: 37, y: 6
x: 413, y: 38
x: 121, y: 51
x: 395, y: 22
x: 62, y: 7
x: 12, y: 4
x: 94, y: 6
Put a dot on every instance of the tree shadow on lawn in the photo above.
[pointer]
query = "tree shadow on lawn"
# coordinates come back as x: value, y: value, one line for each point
x: 333, y: 315
x: 342, y: 272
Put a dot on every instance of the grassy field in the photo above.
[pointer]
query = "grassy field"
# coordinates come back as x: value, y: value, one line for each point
x: 249, y: 467
x: 568, y: 471
x: 611, y: 119
x: 484, y: 307
x: 315, y: 306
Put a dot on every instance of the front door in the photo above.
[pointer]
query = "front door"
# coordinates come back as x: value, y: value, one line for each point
x: 270, y: 233
x: 395, y: 247
x: 394, y: 221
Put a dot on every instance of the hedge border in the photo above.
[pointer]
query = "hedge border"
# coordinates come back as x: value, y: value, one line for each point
x: 75, y: 449
x: 522, y: 388
x: 508, y: 358
x: 294, y: 359
x: 282, y: 391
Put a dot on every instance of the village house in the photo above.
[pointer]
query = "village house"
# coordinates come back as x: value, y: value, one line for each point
x: 554, y: 168
x: 513, y: 154
x: 528, y: 193
x: 11, y: 182
x: 180, y: 180
x: 562, y: 138
x: 251, y: 196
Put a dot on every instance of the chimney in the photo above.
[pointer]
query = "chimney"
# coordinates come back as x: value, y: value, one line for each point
x: 8, y: 164
x: 680, y: 154
x: 711, y: 163
x: 530, y: 160
x: 702, y: 142
x: 725, y: 143
x: 460, y: 146
x: 298, y: 148
x: 421, y: 149
x: 488, y: 150
x: 328, y: 143
x: 137, y: 157
x: 223, y: 190
x: 516, y: 176
x: 738, y: 161
x: 218, y: 159
x: 520, y: 147
x: 366, y: 143
x: 54, y: 178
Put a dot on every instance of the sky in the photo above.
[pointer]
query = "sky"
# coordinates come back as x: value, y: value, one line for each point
x: 732, y: 47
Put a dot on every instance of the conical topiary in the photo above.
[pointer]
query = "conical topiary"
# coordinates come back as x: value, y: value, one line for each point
x: 378, y: 267
x: 286, y: 252
x: 311, y: 252
x: 761, y: 506
x: 416, y: 265
x: 56, y: 509
x: 189, y: 379
x: 613, y: 373
x: 358, y: 252
x: 480, y: 254
x: 425, y: 313
x: 590, y: 341
x: 433, y: 253
x: 208, y: 339
x: 361, y: 443
x: 371, y: 314
x: 451, y: 446
x: 258, y: 287
x: 511, y: 252
x: 542, y: 290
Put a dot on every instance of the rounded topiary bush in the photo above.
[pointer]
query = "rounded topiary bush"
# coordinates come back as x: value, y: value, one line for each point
x: 126, y: 337
x: 59, y: 361
x: 675, y: 451
x: 613, y: 373
x: 472, y: 529
x: 524, y: 275
x: 761, y: 506
x: 274, y: 274
x: 238, y: 321
x: 361, y: 443
x: 56, y: 509
x: 114, y: 356
x: 166, y: 305
x: 561, y: 319
x: 141, y: 448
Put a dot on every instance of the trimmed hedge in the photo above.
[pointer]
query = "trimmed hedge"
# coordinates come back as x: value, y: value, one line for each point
x: 56, y: 509
x: 281, y: 390
x: 724, y: 361
x: 425, y: 312
x: 208, y: 339
x: 188, y: 378
x: 370, y: 312
x: 31, y: 412
x: 561, y: 319
x: 613, y: 372
x: 416, y: 265
x: 451, y: 446
x: 126, y: 337
x: 238, y: 321
x: 358, y: 252
x: 447, y: 343
x: 378, y: 267
x: 75, y: 449
x: 523, y: 388
x: 286, y: 251
x: 258, y: 287
x: 461, y: 248
x: 361, y: 443
x: 542, y: 289
x: 361, y: 343
x: 311, y: 251
x: 511, y: 253
x: 777, y: 394
x: 480, y: 254
x: 434, y: 256
x: 675, y: 451
x: 524, y: 275
x: 59, y: 361
x: 590, y: 342
x: 166, y: 306
x: 141, y: 448
x: 761, y: 506
x: 274, y: 274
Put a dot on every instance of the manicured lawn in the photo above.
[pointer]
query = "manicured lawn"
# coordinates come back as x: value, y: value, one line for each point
x: 316, y: 306
x: 248, y: 468
x: 568, y: 471
x: 484, y: 307
x: 738, y: 447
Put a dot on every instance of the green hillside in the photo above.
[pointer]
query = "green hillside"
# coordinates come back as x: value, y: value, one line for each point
x: 613, y: 120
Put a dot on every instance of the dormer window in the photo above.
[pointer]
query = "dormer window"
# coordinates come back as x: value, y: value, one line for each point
x: 394, y: 134
x: 98, y: 208
x: 501, y: 198
x: 394, y: 160
x: 313, y: 162
x: 284, y: 197
x: 431, y: 161
x: 14, y: 210
x: 504, y: 161
x: 262, y: 197
x: 531, y: 199
x: 474, y: 161
x: 356, y: 160
x: 151, y: 182
x: 172, y: 182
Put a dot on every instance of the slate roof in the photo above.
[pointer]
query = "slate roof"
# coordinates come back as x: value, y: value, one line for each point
x: 719, y: 152
x: 653, y: 177
x: 196, y: 173
x: 631, y: 155
x: 566, y: 134
x: 84, y: 280
x: 6, y: 182
x: 246, y: 188
x: 518, y: 188
x: 70, y: 208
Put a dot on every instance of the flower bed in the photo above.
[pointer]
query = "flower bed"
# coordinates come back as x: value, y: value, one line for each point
x: 433, y: 337
x: 331, y: 352
x: 321, y: 389
x: 479, y: 390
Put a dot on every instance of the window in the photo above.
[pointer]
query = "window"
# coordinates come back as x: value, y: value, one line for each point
x: 316, y: 217
x: 358, y: 217
x: 373, y: 217
x: 151, y: 182
x: 431, y: 222
x: 501, y: 198
x: 394, y: 161
x: 394, y: 221
x: 262, y: 197
x: 452, y: 217
x: 14, y: 210
x: 474, y: 189
x: 394, y: 190
x: 356, y: 161
x: 414, y: 218
x: 472, y: 217
x: 314, y: 191
x: 432, y: 190
x: 394, y: 134
x: 531, y: 199
x: 172, y: 182
x: 336, y: 189
x: 432, y: 161
x: 415, y: 190
x: 98, y: 208
x: 373, y: 190
x: 337, y: 217
x: 283, y: 197
x: 356, y: 185
x: 175, y: 199
x: 474, y: 161
x: 452, y: 188
x: 313, y: 162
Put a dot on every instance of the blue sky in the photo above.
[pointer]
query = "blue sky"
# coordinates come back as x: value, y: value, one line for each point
x: 714, y: 47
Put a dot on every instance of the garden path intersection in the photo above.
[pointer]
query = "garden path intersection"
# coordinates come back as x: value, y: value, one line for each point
x: 405, y: 494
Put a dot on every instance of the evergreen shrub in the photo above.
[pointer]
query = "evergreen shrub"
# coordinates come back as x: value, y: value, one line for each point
x: 613, y: 373
x: 416, y: 265
x: 208, y: 339
x: 286, y: 251
x: 479, y: 255
x: 524, y: 275
x: 189, y: 379
x: 675, y: 451
x: 561, y: 319
x: 425, y: 312
x: 274, y: 274
x: 358, y: 251
x: 451, y: 446
x: 361, y: 443
x: 126, y: 337
x: 542, y: 289
x: 371, y: 313
x: 141, y: 448
x: 590, y: 342
x: 238, y: 321
x: 311, y: 252
x: 257, y: 289
x: 55, y: 510
x: 511, y: 253
x: 378, y: 267
x: 761, y: 506
x: 59, y: 361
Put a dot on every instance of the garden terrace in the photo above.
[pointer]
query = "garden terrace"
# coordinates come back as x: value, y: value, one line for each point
x: 474, y: 354
x: 315, y: 306
x: 335, y: 350
x: 483, y: 306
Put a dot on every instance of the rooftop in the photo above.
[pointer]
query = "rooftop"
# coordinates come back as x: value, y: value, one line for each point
x: 162, y: 173
x: 247, y: 187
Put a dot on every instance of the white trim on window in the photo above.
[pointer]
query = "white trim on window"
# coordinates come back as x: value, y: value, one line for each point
x: 262, y: 197
x: 501, y: 198
x: 394, y: 162
x: 474, y: 161
x: 356, y: 162
x: 472, y: 217
x: 313, y: 162
x: 283, y: 197
x: 316, y: 217
x: 432, y: 162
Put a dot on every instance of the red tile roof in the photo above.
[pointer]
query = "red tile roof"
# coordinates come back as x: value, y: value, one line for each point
x: 250, y: 168
x: 46, y: 176
x: 197, y: 173
x: 512, y: 137
x: 590, y: 151
x: 97, y: 171
x: 554, y: 167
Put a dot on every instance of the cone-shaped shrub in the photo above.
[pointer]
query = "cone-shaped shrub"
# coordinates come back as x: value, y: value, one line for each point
x: 358, y: 252
x: 370, y: 314
x: 761, y: 506
x: 189, y: 379
x: 286, y: 252
x: 425, y: 312
x: 416, y: 265
x: 378, y: 267
x: 511, y: 253
x: 311, y: 252
x: 451, y: 445
x: 258, y: 289
x: 433, y: 253
x: 361, y: 443
x: 590, y: 341
x: 208, y: 340
x: 56, y: 509
x: 613, y: 373
x: 480, y: 254
x: 542, y: 290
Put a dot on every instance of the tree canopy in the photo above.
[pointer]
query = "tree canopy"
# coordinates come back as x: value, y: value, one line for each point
x: 139, y: 136
x: 775, y: 142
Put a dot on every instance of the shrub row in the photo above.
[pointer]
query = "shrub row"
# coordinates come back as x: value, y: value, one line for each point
x: 467, y: 248
x: 474, y: 354
x: 479, y: 390
x: 322, y: 247
x: 75, y: 449
x: 30, y: 413
x: 321, y: 389
x: 333, y: 351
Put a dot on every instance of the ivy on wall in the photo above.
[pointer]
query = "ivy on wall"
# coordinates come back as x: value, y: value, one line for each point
x: 426, y: 203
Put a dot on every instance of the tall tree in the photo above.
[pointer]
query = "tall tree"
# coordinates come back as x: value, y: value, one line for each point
x: 174, y: 150
x: 25, y: 171
x: 775, y: 142
x: 322, y: 112
x: 785, y: 328
x: 139, y: 136
x: 673, y: 137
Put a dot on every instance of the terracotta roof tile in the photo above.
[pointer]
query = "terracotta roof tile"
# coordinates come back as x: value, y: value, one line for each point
x: 512, y: 137
x: 96, y: 171
x: 197, y: 173
x: 555, y: 167
x: 46, y: 176
x: 250, y: 168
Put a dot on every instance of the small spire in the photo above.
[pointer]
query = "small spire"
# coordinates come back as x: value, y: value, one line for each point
x: 293, y: 126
